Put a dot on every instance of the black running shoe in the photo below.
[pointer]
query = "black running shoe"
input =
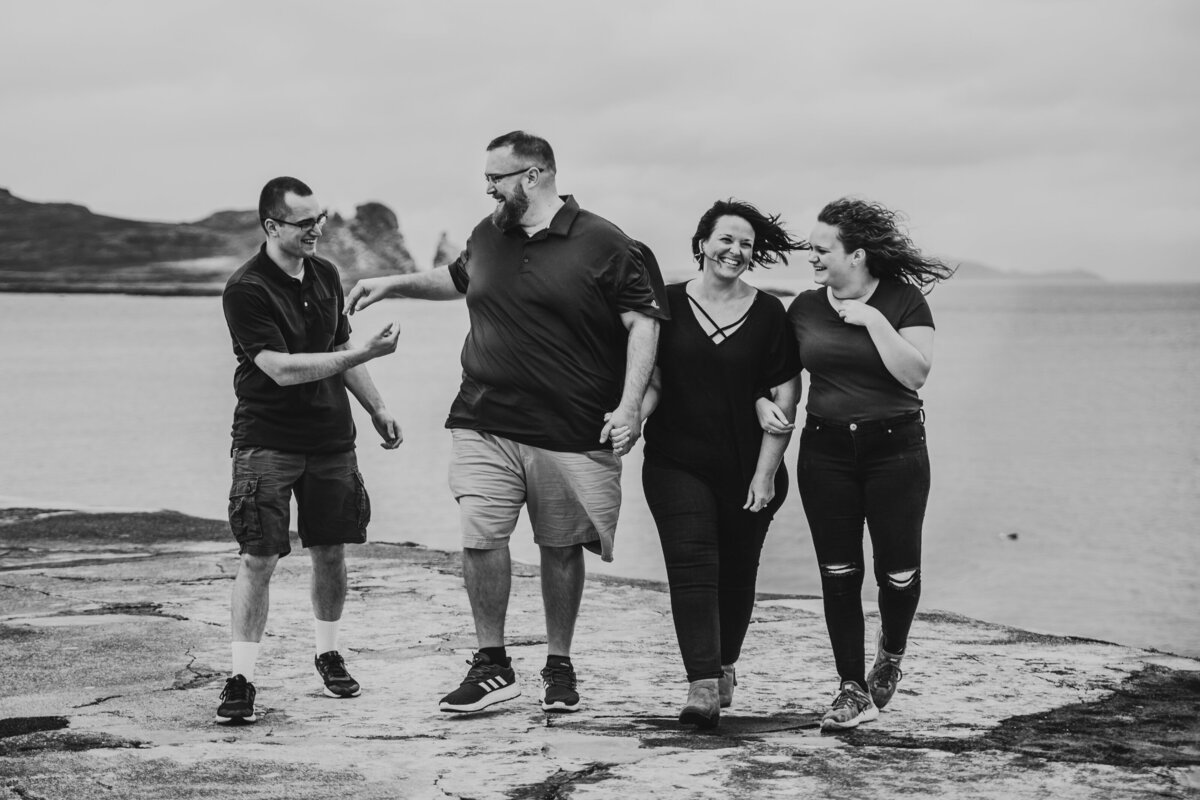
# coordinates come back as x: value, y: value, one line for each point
x: 558, y: 687
x: 486, y: 684
x: 338, y: 683
x: 237, y: 702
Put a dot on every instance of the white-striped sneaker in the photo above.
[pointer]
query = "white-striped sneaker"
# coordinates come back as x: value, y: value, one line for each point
x: 486, y: 684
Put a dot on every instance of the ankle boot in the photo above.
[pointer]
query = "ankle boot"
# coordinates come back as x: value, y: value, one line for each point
x: 725, y: 685
x: 703, y: 707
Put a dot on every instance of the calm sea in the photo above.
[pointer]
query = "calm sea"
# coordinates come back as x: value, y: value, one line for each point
x: 1063, y: 425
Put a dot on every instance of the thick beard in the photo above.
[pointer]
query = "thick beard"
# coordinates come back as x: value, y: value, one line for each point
x: 508, y: 213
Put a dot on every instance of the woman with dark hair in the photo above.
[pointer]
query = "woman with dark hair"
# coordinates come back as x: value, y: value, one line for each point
x: 866, y: 340
x: 712, y: 478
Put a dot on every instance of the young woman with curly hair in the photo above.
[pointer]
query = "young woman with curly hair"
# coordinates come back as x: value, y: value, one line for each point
x: 866, y: 339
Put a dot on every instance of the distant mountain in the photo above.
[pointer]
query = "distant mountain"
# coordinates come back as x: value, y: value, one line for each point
x: 63, y: 247
x: 973, y: 270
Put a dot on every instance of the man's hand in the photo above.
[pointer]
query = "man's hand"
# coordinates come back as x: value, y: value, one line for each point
x: 624, y: 428
x: 388, y: 428
x: 384, y: 343
x: 367, y: 292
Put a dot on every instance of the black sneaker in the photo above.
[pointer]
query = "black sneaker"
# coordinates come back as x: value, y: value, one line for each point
x: 237, y: 702
x: 558, y: 688
x: 338, y: 683
x: 486, y: 684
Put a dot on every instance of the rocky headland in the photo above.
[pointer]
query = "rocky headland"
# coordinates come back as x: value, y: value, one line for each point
x: 114, y: 633
x: 62, y: 247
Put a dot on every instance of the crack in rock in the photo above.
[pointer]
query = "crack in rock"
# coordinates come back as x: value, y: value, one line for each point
x: 198, y: 678
x: 559, y: 785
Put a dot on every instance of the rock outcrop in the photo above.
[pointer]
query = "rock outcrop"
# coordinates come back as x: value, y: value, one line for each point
x: 115, y: 630
x: 446, y: 250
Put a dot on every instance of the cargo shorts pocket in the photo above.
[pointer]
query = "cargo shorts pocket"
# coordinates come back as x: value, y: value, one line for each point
x: 362, y: 501
x: 243, y: 510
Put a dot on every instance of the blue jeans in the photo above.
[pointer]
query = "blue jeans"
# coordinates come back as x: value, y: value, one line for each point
x: 875, y: 472
x: 711, y: 548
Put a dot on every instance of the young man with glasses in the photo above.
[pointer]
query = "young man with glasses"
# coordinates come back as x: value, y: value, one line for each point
x: 564, y: 323
x: 293, y: 432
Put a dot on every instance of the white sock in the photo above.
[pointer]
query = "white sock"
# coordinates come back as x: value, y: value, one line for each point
x: 244, y: 656
x: 327, y: 635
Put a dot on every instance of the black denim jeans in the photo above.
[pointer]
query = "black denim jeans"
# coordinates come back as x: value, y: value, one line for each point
x: 878, y: 473
x: 711, y: 547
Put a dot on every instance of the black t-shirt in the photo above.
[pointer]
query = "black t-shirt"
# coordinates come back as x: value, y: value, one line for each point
x: 705, y: 420
x: 848, y: 380
x: 266, y: 309
x: 545, y: 356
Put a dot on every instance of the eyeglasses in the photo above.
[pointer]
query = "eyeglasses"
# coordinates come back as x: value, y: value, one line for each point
x: 305, y: 224
x: 493, y: 178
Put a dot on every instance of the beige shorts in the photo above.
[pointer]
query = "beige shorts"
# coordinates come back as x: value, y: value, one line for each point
x: 573, y: 498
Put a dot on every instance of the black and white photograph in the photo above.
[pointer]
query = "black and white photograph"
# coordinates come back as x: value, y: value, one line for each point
x: 668, y: 399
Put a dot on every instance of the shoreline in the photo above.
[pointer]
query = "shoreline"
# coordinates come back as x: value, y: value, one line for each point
x: 118, y: 632
x: 10, y: 504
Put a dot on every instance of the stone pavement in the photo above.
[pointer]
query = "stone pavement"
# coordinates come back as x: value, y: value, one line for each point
x: 114, y: 649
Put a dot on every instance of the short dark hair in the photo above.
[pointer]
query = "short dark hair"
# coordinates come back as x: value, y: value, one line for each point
x: 878, y: 232
x: 771, y: 242
x: 526, y: 145
x: 270, y: 201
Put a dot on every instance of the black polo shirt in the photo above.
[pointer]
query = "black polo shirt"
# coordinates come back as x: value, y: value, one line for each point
x: 545, y: 356
x: 266, y: 309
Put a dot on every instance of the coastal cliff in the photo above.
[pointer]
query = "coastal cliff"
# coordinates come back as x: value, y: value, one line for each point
x: 115, y: 634
x: 63, y: 247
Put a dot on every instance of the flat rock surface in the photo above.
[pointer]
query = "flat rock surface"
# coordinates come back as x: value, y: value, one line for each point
x: 114, y: 649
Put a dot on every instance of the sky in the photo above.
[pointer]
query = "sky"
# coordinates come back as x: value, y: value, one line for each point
x: 1035, y: 136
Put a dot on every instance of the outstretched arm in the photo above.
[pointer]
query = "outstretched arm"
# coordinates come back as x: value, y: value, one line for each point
x: 436, y: 284
x: 639, y: 363
x: 291, y: 369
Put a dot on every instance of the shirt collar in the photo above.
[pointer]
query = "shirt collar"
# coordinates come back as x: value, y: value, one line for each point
x: 271, y: 270
x: 564, y: 217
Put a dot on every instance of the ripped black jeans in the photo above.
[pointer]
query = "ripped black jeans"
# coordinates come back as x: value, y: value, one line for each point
x: 875, y: 472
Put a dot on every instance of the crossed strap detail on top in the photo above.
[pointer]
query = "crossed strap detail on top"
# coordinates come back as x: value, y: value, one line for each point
x: 720, y: 329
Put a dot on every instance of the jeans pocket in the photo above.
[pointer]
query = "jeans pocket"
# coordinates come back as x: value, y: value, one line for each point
x: 243, y: 509
x: 910, y: 436
x: 362, y: 501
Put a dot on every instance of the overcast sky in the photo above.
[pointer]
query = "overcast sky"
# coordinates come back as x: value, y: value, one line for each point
x: 1037, y: 136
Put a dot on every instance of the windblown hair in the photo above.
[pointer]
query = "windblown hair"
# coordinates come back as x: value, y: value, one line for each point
x: 771, y: 242
x: 526, y: 145
x: 877, y: 231
x: 270, y: 202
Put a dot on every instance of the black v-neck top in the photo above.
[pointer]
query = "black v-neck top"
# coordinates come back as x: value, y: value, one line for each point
x: 705, y: 420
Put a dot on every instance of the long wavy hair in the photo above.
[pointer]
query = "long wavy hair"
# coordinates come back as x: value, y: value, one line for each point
x: 771, y: 242
x: 877, y: 231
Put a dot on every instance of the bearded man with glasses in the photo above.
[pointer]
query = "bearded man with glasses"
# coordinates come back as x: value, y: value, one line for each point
x: 293, y: 432
x: 564, y: 312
